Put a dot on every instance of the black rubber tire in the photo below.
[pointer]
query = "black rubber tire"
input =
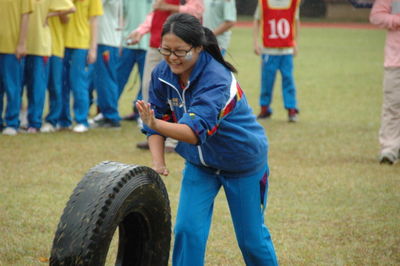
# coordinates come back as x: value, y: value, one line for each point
x: 132, y: 198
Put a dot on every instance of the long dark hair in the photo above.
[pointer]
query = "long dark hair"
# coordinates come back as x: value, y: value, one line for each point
x: 189, y: 29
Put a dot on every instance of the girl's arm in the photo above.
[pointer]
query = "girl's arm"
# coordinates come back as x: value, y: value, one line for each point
x: 156, y: 144
x: 179, y: 132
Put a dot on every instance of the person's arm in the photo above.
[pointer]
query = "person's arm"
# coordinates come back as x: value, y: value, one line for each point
x: 193, y: 7
x: 176, y: 131
x: 223, y: 27
x: 136, y: 35
x: 381, y: 15
x: 20, y: 50
x: 256, y: 32
x: 296, y: 31
x: 161, y: 5
x: 92, y: 55
x: 64, y: 18
x: 62, y: 14
x: 156, y: 145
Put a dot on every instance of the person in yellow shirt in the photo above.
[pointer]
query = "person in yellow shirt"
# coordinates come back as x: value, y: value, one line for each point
x: 39, y: 47
x: 57, y: 28
x: 80, y: 54
x: 13, y: 33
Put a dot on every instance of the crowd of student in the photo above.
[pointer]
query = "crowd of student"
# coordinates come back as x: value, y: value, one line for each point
x: 73, y: 48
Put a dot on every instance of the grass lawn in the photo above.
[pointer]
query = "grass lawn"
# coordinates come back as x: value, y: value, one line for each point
x: 330, y: 202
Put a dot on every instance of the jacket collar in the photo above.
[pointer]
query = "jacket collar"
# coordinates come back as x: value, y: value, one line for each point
x: 202, y: 61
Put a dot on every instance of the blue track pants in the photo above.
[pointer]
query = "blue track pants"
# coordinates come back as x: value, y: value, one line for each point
x: 127, y: 61
x: 270, y: 65
x: 106, y: 82
x: 54, y: 88
x: 11, y: 72
x: 36, y: 79
x: 76, y: 80
x: 194, y: 216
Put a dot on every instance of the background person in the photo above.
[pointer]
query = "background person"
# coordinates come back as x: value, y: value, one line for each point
x: 280, y: 20
x: 386, y: 14
x: 134, y: 13
x: 220, y: 17
x: 80, y: 55
x: 39, y: 49
x: 13, y: 36
x: 105, y: 69
x: 56, y: 61
x: 219, y: 137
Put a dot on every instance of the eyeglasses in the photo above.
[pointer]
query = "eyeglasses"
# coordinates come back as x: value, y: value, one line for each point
x: 178, y: 53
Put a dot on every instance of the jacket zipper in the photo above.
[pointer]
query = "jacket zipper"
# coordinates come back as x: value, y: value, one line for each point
x: 182, y: 97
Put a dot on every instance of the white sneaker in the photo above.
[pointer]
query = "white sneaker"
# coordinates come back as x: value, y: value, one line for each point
x: 95, y: 119
x: 80, y: 128
x: 10, y: 131
x: 98, y: 117
x: 47, y: 128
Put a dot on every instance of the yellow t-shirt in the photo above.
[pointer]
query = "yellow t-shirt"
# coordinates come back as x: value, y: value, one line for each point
x: 10, y: 16
x: 77, y: 34
x: 57, y: 30
x: 39, y: 36
x: 57, y: 36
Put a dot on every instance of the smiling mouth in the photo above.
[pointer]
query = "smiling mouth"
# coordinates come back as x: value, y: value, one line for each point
x: 175, y: 63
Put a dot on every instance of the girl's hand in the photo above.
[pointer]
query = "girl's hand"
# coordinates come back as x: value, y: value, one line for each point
x: 146, y: 113
x: 162, y: 170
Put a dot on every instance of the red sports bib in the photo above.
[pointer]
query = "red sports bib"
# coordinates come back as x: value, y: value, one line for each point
x: 278, y: 23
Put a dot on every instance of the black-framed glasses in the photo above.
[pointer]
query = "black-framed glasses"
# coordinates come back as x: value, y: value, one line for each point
x: 178, y: 53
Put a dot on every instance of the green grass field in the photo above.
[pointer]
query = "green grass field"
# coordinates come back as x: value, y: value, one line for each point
x: 330, y: 202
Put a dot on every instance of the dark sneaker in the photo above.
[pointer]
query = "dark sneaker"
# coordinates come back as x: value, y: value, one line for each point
x: 169, y: 149
x: 292, y: 115
x: 144, y: 145
x: 387, y: 158
x: 264, y: 113
x: 106, y: 123
x: 131, y: 117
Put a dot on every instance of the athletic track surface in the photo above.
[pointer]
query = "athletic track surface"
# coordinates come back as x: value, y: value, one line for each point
x: 247, y: 24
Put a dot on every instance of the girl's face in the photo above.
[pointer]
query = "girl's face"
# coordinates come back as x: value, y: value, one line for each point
x: 182, y: 56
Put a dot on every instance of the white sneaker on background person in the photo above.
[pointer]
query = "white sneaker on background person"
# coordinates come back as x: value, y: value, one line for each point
x: 47, y: 128
x: 10, y: 131
x: 80, y: 128
x: 95, y: 119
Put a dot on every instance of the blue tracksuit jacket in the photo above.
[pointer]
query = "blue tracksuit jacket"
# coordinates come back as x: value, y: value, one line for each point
x: 213, y: 105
